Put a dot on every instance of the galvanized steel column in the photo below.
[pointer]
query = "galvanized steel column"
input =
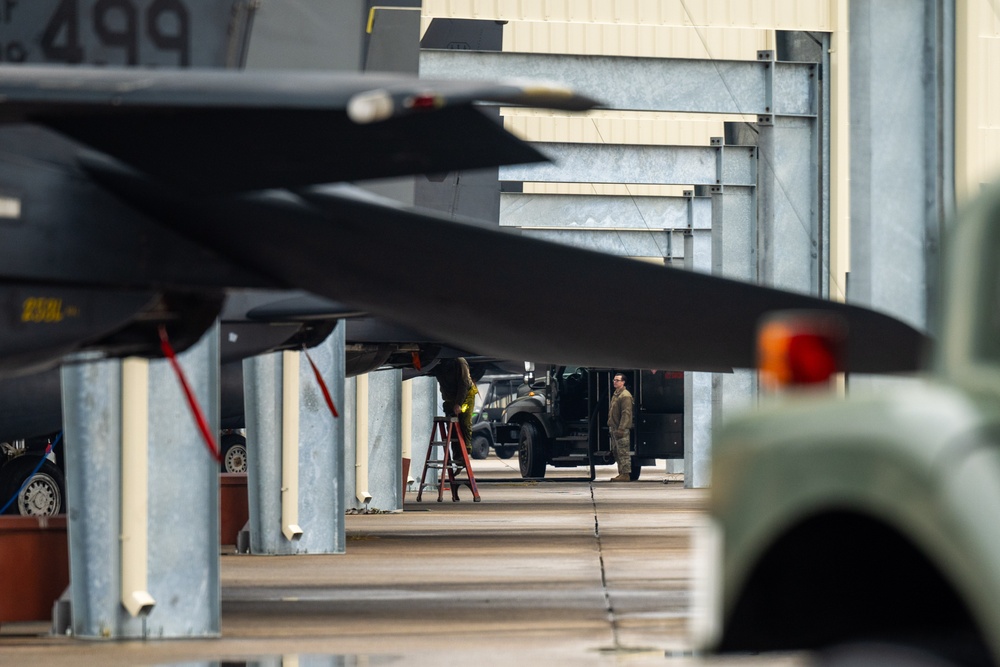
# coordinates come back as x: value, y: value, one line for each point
x: 902, y: 152
x: 734, y: 242
x: 321, y: 454
x: 182, y: 554
x: 373, y: 404
x: 789, y: 213
x: 385, y: 440
x: 698, y: 399
x: 318, y: 499
x: 424, y: 407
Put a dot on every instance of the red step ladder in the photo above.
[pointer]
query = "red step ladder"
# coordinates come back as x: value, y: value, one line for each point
x: 444, y: 431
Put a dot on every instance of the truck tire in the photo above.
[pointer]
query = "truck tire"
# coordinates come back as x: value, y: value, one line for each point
x: 531, y: 452
x: 505, y: 451
x: 44, y: 495
x: 480, y: 447
x: 234, y: 453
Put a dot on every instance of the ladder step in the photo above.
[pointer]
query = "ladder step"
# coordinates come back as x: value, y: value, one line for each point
x: 444, y: 434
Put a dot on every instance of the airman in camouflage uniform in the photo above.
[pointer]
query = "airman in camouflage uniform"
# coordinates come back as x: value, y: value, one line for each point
x: 619, y: 426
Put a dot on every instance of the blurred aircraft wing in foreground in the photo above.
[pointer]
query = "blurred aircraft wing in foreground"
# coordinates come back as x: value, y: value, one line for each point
x: 402, y: 264
x: 211, y: 131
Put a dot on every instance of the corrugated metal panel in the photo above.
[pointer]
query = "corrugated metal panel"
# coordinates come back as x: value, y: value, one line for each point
x: 635, y: 40
x: 771, y: 14
x: 977, y: 105
x: 618, y: 128
x: 989, y: 107
x: 989, y: 99
x: 989, y: 163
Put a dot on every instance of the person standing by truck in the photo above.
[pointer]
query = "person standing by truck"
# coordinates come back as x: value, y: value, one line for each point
x: 619, y: 427
x: 458, y: 393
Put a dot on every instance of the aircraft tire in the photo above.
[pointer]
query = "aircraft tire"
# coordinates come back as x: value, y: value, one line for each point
x: 45, y: 494
x: 480, y: 447
x: 531, y: 452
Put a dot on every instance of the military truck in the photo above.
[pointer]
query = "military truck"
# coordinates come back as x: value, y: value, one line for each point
x: 867, y: 526
x: 496, y: 392
x: 562, y: 420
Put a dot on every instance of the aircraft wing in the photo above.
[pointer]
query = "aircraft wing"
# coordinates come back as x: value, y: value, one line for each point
x: 554, y: 303
x: 212, y: 131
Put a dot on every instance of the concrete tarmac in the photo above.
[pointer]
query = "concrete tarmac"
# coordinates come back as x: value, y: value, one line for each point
x: 560, y: 572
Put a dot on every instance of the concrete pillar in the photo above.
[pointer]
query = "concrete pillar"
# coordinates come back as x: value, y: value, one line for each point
x: 180, y: 557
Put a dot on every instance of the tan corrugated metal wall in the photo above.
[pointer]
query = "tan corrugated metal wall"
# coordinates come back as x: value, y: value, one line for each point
x: 648, y: 41
x: 769, y: 14
x: 977, y: 104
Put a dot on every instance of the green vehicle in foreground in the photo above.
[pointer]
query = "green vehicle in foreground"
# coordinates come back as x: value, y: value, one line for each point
x: 869, y: 527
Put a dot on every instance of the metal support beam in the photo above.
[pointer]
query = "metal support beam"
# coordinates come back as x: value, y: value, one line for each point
x: 620, y: 163
x: 621, y: 243
x: 650, y: 84
x: 599, y: 212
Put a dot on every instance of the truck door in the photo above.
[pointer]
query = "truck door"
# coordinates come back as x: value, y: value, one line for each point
x: 659, y: 415
x: 600, y: 392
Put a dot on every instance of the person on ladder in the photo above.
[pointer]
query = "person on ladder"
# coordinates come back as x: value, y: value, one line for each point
x: 458, y: 393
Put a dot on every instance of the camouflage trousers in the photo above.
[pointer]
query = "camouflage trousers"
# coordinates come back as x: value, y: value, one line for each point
x: 619, y: 447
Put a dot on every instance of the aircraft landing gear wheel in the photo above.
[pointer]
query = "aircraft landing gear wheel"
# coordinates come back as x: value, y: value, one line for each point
x: 531, y: 452
x: 234, y: 453
x: 480, y: 447
x: 44, y: 495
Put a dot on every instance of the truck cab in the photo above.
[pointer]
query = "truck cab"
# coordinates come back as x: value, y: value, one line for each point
x: 495, y: 393
x: 562, y: 419
x: 867, y: 525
